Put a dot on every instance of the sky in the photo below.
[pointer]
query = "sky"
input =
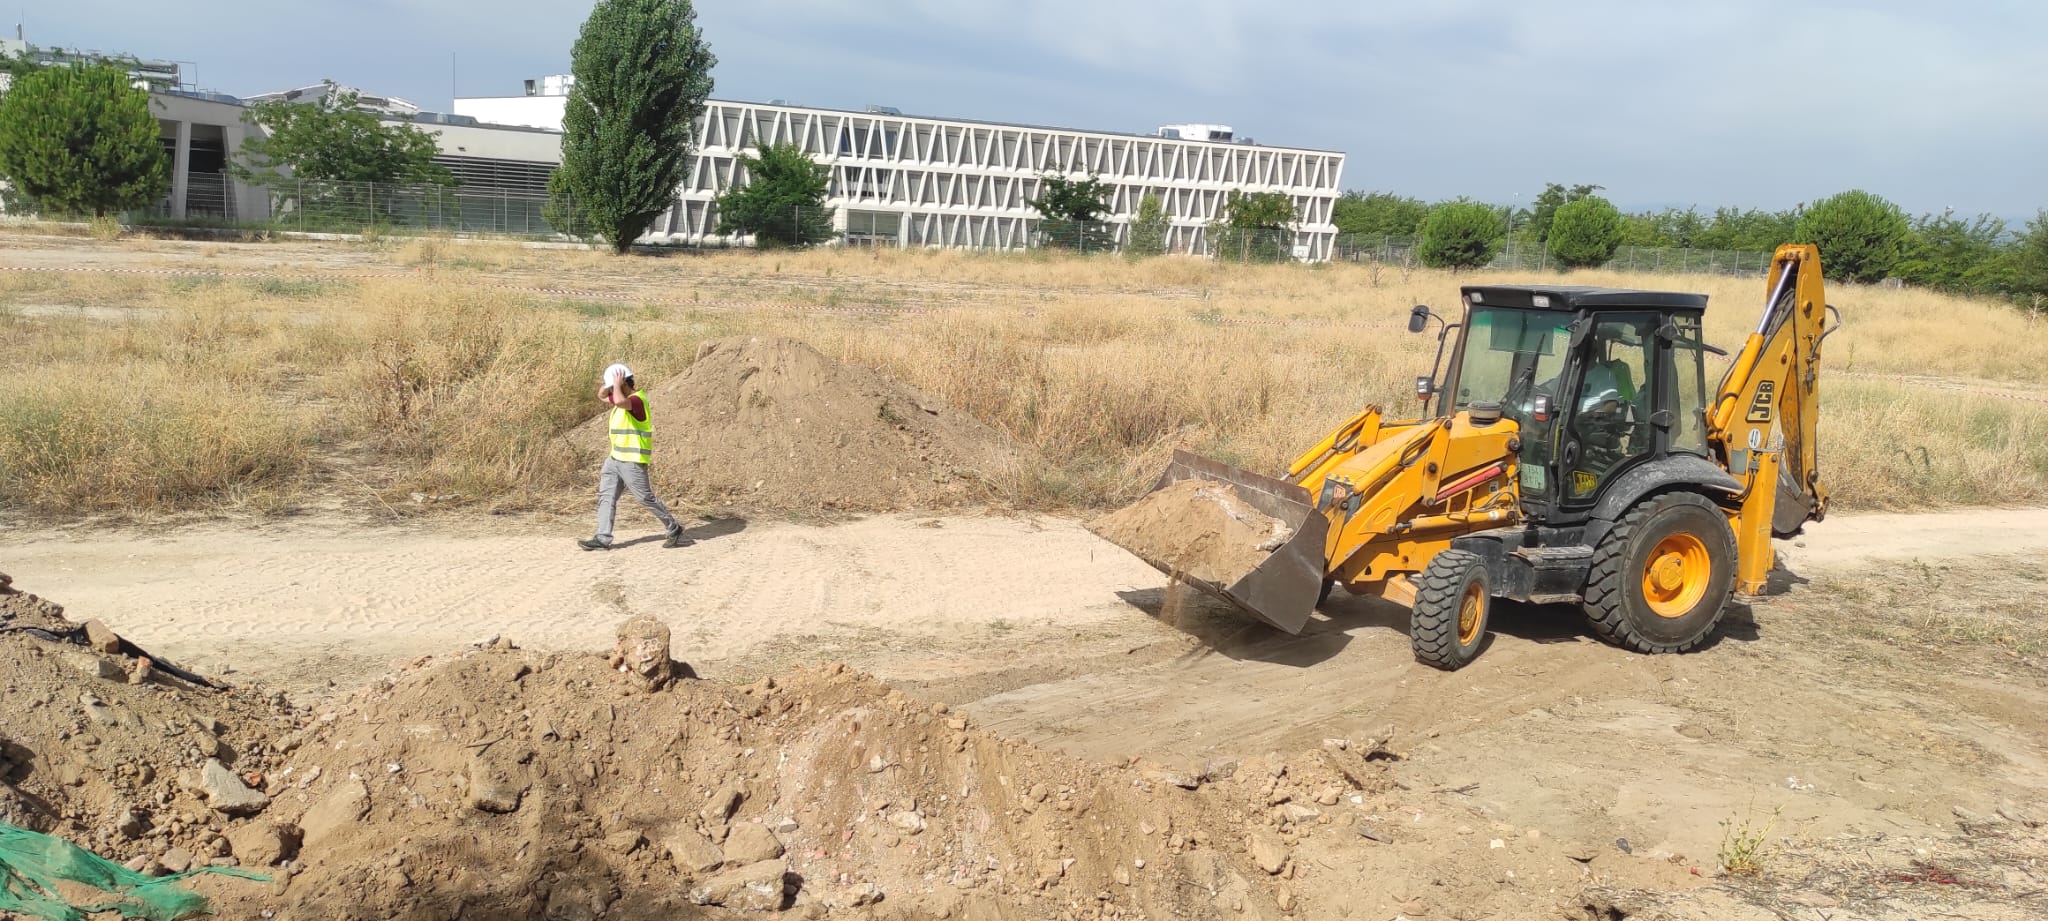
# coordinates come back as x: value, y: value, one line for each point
x: 1744, y: 103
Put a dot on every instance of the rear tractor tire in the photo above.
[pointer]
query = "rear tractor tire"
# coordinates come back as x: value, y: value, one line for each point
x: 1661, y: 579
x: 1452, y: 600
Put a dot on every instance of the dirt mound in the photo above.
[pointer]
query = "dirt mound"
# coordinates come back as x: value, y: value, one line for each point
x: 1196, y: 527
x: 123, y: 758
x: 512, y: 784
x: 772, y: 423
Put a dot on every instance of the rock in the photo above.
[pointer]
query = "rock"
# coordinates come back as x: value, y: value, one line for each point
x: 1329, y: 796
x: 94, y: 665
x: 496, y: 784
x: 723, y: 803
x: 129, y: 824
x: 263, y: 844
x: 865, y: 894
x: 138, y: 863
x: 1284, y: 899
x: 691, y: 853
x: 783, y: 826
x: 1039, y: 792
x: 347, y: 803
x: 1179, y: 779
x: 579, y: 899
x: 643, y: 652
x: 226, y: 793
x: 223, y: 862
x: 876, y: 764
x: 957, y: 724
x: 908, y: 821
x: 142, y: 672
x: 1220, y: 769
x: 624, y: 840
x: 176, y: 860
x: 754, y: 887
x: 1269, y: 854
x: 100, y: 638
x: 750, y: 844
x: 2013, y: 812
x: 1298, y: 813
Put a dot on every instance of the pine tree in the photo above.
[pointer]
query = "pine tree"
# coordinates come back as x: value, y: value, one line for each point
x: 81, y: 139
x: 642, y: 73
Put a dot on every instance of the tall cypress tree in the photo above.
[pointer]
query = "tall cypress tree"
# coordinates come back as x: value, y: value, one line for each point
x: 81, y: 139
x: 642, y: 73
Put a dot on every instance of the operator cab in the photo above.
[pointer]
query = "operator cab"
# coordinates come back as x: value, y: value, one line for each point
x: 1599, y: 380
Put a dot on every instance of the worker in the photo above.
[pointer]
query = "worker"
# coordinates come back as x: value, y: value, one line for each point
x: 632, y: 443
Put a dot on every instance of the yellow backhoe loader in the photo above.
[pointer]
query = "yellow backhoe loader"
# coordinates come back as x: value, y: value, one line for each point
x: 1571, y: 454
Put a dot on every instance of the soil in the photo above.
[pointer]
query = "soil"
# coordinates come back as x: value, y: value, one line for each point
x: 1887, y: 769
x: 769, y: 423
x: 1195, y: 527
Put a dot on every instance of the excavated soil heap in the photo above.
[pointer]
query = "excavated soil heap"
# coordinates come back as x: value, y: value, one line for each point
x: 510, y: 784
x: 123, y: 759
x: 772, y: 423
x: 1195, y: 527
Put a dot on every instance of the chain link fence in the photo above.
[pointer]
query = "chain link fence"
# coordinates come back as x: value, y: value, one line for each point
x: 319, y: 206
x: 1517, y: 256
x: 314, y: 206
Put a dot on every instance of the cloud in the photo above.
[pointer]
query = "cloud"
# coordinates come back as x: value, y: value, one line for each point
x: 1741, y: 102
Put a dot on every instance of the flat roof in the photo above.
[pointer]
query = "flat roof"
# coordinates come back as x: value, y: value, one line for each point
x: 977, y: 121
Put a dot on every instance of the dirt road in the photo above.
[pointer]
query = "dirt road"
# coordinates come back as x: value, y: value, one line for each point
x: 1858, y: 709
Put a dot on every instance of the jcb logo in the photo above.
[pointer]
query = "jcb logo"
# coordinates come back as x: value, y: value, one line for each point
x: 1766, y: 398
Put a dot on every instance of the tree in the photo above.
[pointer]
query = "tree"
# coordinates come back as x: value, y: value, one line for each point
x: 1378, y: 213
x: 1256, y: 227
x: 1949, y: 254
x: 1555, y: 196
x: 80, y: 139
x: 2024, y: 265
x: 1461, y: 234
x: 642, y: 73
x: 1861, y: 236
x: 782, y: 202
x: 1748, y: 230
x: 1148, y: 229
x: 1585, y: 233
x: 332, y: 140
x: 1070, y: 212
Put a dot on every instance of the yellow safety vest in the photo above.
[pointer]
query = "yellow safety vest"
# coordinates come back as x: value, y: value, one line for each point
x: 633, y: 439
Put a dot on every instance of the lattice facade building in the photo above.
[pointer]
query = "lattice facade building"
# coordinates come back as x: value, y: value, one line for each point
x: 913, y: 181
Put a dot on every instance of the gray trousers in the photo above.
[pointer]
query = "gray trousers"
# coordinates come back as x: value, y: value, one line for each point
x: 631, y: 477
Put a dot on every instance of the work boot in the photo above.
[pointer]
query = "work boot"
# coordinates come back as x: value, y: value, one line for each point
x: 676, y: 539
x: 592, y: 543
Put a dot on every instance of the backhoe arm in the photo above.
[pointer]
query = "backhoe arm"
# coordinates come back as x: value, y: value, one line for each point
x: 1769, y: 400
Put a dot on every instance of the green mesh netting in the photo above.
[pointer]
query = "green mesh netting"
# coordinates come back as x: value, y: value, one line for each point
x: 32, y: 864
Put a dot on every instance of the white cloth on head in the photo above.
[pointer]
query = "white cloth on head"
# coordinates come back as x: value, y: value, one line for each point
x: 616, y: 373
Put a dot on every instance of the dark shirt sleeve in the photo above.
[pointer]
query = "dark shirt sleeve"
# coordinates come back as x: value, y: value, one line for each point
x: 637, y: 407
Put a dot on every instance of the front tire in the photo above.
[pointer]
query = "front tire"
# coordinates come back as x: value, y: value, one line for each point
x: 1451, y: 604
x: 1661, y: 579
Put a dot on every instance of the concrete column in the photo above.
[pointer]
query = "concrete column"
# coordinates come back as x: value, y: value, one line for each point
x: 181, y: 164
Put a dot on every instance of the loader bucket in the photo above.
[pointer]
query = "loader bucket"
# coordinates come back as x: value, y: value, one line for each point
x: 1283, y: 589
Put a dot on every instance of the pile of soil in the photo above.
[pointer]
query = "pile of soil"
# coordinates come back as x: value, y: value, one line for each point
x: 122, y: 758
x: 1195, y: 527
x: 504, y: 783
x: 771, y: 423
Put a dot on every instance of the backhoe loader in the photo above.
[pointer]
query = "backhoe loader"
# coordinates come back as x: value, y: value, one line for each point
x: 1571, y: 453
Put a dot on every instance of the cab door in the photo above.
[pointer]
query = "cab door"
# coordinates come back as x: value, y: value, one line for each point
x: 1609, y: 417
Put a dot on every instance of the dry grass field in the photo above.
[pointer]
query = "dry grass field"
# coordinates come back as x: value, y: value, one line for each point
x: 140, y: 377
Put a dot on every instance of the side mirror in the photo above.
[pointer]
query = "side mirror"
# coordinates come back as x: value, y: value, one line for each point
x: 1424, y: 388
x: 1539, y: 407
x: 1418, y: 318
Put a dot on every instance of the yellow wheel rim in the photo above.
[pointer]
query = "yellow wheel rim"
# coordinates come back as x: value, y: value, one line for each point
x: 1469, y: 609
x: 1676, y: 574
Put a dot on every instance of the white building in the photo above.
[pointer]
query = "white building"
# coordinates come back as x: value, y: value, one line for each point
x: 918, y: 181
x: 387, y: 106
